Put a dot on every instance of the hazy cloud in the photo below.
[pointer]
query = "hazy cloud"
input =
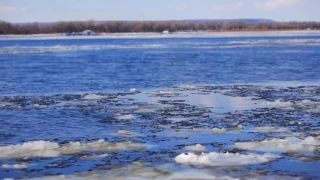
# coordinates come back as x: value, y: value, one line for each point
x: 276, y: 4
x: 228, y: 7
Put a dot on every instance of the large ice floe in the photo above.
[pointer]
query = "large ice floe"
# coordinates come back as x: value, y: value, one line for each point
x: 53, y: 149
x: 289, y: 144
x: 224, y: 159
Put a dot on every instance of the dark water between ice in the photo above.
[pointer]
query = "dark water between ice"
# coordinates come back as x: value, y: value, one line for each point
x: 64, y: 91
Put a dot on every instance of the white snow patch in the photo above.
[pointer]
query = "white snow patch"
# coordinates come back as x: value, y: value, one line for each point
x: 196, y: 148
x: 15, y: 166
x: 218, y: 131
x: 224, y: 159
x: 290, y: 144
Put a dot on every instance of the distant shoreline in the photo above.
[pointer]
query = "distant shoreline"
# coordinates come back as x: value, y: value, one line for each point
x: 147, y: 35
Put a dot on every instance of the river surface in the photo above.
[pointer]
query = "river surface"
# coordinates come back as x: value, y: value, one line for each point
x: 160, y: 108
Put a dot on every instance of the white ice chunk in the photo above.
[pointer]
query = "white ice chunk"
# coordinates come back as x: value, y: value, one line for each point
x: 124, y: 133
x: 94, y: 97
x: 188, y: 87
x: 264, y: 129
x: 280, y: 103
x: 290, y: 144
x: 32, y: 148
x: 94, y: 156
x: 135, y: 90
x: 15, y: 166
x: 125, y: 117
x: 52, y: 149
x: 224, y: 159
x: 196, y: 148
x: 218, y: 131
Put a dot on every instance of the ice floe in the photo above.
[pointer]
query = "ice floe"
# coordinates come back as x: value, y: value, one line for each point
x: 264, y: 129
x: 125, y: 117
x: 32, y: 148
x: 224, y: 159
x: 218, y: 130
x: 135, y: 90
x: 196, y: 148
x: 52, y: 149
x: 188, y: 87
x: 15, y: 166
x: 94, y: 97
x: 280, y: 103
x: 94, y: 156
x: 125, y: 133
x: 290, y: 144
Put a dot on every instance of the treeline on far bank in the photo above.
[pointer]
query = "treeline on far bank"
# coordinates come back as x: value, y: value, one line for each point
x: 149, y: 26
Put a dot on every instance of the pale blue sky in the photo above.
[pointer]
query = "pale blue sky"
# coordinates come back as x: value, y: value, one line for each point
x: 56, y: 10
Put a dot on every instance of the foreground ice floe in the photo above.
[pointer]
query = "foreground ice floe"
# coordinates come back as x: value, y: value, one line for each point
x: 52, y: 149
x: 224, y: 159
x: 290, y: 144
x: 196, y: 148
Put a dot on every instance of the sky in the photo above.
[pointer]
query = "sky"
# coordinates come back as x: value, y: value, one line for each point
x: 67, y: 10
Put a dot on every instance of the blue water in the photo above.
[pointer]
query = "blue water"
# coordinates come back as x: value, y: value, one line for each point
x: 43, y: 84
x: 64, y: 66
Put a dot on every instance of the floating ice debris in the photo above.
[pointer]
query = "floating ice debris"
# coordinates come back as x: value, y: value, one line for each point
x: 139, y: 171
x: 163, y: 93
x: 218, y: 131
x: 100, y: 145
x: 268, y: 129
x: 224, y: 159
x: 196, y: 148
x: 32, y: 148
x: 15, y: 166
x: 290, y: 144
x: 124, y: 133
x: 125, y: 117
x: 280, y: 103
x: 145, y: 110
x: 94, y: 156
x: 188, y: 87
x: 95, y: 97
x: 52, y: 149
x: 134, y: 90
x: 196, y: 174
x: 314, y: 110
